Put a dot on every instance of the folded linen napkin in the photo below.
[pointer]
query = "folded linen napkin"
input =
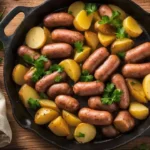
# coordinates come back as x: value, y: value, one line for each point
x: 5, y: 130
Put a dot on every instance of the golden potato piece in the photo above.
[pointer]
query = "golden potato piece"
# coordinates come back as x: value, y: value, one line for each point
x: 138, y: 111
x: 71, y: 68
x: 136, y: 90
x: 48, y: 35
x: 121, y: 45
x: 70, y: 118
x: 59, y: 127
x: 146, y: 86
x: 123, y: 15
x: 76, y: 7
x: 84, y: 133
x: 96, y: 16
x: 35, y: 38
x: 71, y: 135
x: 18, y: 74
x: 82, y: 21
x: 132, y: 27
x: 49, y: 104
x: 45, y: 115
x: 27, y: 92
x: 91, y: 39
x: 106, y: 40
x: 82, y: 56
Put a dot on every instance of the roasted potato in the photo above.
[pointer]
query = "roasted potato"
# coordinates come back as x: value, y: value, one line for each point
x: 49, y: 104
x: 82, y: 21
x: 59, y: 127
x: 84, y: 133
x: 91, y: 39
x: 18, y: 74
x: 48, y: 36
x: 138, y: 111
x: 71, y: 135
x: 82, y: 56
x: 106, y: 40
x: 75, y: 8
x: 36, y: 38
x: 136, y: 90
x: 132, y: 27
x: 45, y: 115
x: 121, y: 45
x: 27, y: 92
x: 96, y: 16
x: 146, y: 86
x: 71, y: 68
x: 70, y: 118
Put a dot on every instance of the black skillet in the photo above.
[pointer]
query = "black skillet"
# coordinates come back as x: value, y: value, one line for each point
x: 34, y: 16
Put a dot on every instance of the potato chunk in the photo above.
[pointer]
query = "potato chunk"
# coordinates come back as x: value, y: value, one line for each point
x: 146, y: 86
x: 48, y: 35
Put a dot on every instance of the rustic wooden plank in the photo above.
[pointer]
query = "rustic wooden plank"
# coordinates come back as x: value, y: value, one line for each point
x: 24, y: 139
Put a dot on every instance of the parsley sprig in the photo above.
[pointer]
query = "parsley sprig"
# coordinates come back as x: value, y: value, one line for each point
x: 34, y: 103
x: 120, y: 34
x: 80, y: 135
x: 78, y: 46
x: 111, y: 94
x: 58, y: 78
x: 90, y: 8
x: 86, y: 77
x: 43, y: 96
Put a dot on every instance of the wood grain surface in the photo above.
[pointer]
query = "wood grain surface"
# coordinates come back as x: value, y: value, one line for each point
x: 24, y: 139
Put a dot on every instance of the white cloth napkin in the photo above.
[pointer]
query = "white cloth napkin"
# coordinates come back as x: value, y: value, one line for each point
x: 5, y: 130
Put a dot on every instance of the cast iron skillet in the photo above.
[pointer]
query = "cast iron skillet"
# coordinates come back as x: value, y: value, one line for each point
x: 34, y: 16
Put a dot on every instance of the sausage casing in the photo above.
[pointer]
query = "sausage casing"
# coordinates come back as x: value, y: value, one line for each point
x: 105, y: 10
x: 95, y: 59
x: 95, y: 117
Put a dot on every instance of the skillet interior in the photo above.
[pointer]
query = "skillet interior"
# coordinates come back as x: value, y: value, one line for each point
x: 23, y: 117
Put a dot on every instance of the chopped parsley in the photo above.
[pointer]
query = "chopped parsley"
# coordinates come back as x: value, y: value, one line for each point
x: 78, y: 46
x: 90, y: 8
x: 43, y: 96
x: 28, y: 59
x: 121, y: 55
x: 80, y: 135
x: 58, y: 78
x: 86, y: 77
x: 121, y: 34
x: 34, y: 103
x: 70, y: 12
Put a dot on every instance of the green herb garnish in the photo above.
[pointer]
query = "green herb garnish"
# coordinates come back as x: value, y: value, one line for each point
x: 80, y: 135
x: 34, y: 103
x: 70, y: 12
x: 78, y: 46
x: 58, y: 79
x: 28, y: 59
x: 86, y: 77
x: 43, y: 96
x: 121, y: 34
x: 90, y: 8
x: 121, y: 55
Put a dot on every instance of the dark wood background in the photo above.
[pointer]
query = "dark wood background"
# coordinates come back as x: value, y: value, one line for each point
x: 24, y: 139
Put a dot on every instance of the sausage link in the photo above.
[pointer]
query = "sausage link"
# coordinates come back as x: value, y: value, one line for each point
x: 67, y: 103
x: 59, y: 89
x: 58, y: 19
x: 138, y: 53
x: 57, y: 50
x: 105, y: 10
x: 48, y: 80
x: 88, y: 88
x: 96, y: 103
x: 110, y: 131
x: 95, y: 117
x: 95, y: 59
x: 120, y: 83
x: 136, y: 70
x: 67, y: 36
x: 124, y: 122
x: 107, y: 68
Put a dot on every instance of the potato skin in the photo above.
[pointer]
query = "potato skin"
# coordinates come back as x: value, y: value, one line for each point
x: 67, y: 36
x: 59, y: 89
x: 95, y: 117
x: 105, y: 10
x: 120, y: 83
x: 58, y: 19
x: 67, y: 103
x: 95, y: 103
x: 48, y: 80
x: 138, y: 53
x: 110, y: 131
x: 88, y: 88
x: 136, y: 70
x: 95, y: 59
x: 124, y: 122
x: 57, y: 50
x: 107, y: 68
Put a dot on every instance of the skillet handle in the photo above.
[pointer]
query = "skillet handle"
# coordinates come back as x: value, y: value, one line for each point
x: 5, y: 39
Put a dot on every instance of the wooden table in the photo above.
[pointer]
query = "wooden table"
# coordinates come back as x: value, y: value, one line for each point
x: 24, y: 139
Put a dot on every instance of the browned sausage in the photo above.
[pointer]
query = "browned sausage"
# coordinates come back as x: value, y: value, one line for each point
x: 95, y: 117
x: 107, y: 68
x: 58, y: 19
x: 24, y: 50
x: 59, y: 89
x: 48, y: 80
x: 138, y: 53
x: 120, y: 83
x: 57, y: 50
x: 88, y: 88
x: 67, y: 103
x: 95, y: 103
x: 105, y: 10
x: 136, y: 70
x: 110, y: 131
x: 67, y: 36
x: 95, y: 59
x: 124, y: 122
